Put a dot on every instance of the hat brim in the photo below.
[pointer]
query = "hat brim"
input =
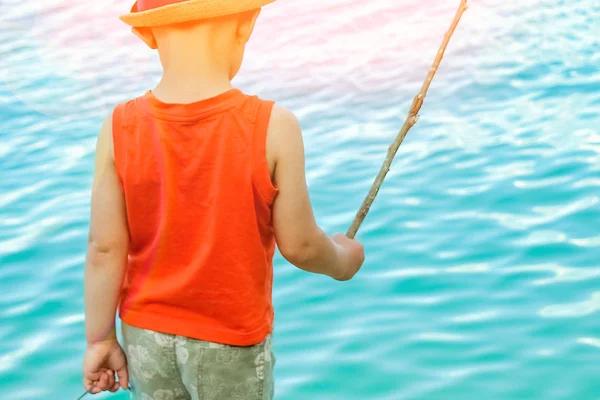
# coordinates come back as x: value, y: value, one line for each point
x: 189, y: 10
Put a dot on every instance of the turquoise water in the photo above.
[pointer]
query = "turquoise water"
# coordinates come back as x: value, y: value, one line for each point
x: 482, y: 277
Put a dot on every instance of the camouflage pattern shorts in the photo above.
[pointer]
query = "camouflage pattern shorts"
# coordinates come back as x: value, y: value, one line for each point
x: 169, y: 367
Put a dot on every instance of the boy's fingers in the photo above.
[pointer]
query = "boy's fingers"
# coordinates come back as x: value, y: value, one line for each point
x: 123, y: 378
x: 93, y: 376
x: 103, y: 382
x: 110, y: 376
x: 90, y: 381
x: 114, y: 387
x: 88, y: 384
x: 104, y: 379
x: 95, y: 390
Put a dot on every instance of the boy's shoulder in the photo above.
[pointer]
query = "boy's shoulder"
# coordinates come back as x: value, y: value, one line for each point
x: 125, y: 107
x: 283, y: 121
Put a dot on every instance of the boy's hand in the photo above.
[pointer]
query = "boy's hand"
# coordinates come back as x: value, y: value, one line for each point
x: 102, y: 360
x: 354, y: 253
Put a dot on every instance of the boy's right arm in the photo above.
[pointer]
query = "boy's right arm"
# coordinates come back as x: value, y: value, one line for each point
x: 298, y: 237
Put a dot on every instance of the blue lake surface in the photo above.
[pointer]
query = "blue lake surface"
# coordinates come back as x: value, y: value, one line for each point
x: 482, y: 277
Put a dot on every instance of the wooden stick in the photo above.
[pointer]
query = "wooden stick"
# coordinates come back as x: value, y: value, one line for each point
x: 411, y: 120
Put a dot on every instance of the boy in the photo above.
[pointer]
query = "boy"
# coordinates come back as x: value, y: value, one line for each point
x: 195, y: 183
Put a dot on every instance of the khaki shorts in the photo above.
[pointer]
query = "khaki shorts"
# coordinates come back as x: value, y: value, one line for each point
x: 169, y: 367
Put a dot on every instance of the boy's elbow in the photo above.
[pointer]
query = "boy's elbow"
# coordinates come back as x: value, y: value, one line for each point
x: 299, y: 254
x: 100, y: 249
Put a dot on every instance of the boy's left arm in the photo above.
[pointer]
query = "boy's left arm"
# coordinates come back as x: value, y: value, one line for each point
x: 104, y: 271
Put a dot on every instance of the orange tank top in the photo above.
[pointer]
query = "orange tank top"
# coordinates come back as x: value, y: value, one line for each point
x: 198, y: 194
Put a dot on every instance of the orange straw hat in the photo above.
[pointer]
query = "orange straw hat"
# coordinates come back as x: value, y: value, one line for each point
x: 146, y: 14
x: 149, y: 13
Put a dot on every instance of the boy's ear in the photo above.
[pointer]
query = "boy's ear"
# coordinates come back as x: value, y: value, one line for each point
x: 147, y: 36
x: 246, y: 26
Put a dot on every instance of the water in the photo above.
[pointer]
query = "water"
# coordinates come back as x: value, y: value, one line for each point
x: 483, y: 275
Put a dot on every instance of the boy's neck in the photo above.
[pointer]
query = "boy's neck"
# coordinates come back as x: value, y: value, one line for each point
x: 192, y: 78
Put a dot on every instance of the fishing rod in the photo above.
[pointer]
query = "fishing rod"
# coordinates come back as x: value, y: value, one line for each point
x: 86, y: 393
x: 411, y: 120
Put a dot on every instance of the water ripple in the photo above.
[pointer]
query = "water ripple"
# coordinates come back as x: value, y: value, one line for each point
x: 482, y: 268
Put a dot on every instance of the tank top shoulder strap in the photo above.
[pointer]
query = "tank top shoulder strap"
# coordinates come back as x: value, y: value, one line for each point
x: 262, y: 176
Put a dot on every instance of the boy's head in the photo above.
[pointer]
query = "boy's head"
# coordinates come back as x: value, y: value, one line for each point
x: 220, y: 28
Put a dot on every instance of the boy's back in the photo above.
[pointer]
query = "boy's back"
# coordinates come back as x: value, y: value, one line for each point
x: 198, y: 194
x: 195, y: 183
